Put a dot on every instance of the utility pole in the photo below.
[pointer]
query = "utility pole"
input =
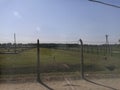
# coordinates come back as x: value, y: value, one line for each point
x: 119, y: 41
x: 107, y: 45
x: 107, y: 42
x: 15, y: 42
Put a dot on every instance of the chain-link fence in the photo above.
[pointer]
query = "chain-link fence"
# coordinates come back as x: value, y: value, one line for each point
x: 62, y: 66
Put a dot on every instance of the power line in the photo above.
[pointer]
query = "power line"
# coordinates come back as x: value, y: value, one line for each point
x: 105, y: 3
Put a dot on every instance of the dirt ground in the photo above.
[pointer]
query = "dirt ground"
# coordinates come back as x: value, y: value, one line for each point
x: 67, y: 84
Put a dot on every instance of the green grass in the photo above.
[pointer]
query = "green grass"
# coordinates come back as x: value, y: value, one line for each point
x: 56, y: 60
x: 18, y: 60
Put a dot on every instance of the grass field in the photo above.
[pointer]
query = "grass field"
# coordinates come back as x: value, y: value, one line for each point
x: 59, y: 60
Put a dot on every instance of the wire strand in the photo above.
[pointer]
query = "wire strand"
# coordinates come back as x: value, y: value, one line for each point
x: 105, y: 3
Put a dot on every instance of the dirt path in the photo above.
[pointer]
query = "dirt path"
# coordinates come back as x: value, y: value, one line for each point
x: 65, y: 85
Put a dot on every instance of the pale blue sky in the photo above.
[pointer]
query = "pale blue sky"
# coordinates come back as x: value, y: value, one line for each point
x: 58, y: 20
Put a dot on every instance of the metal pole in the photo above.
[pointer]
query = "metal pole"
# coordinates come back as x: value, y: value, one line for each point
x: 15, y: 42
x: 106, y: 44
x: 82, y: 60
x: 38, y: 62
x: 38, y: 68
x: 108, y: 48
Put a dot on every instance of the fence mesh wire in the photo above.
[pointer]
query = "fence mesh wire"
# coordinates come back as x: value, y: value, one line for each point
x: 60, y: 65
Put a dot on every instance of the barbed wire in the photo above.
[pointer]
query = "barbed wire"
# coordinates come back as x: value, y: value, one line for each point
x: 116, y: 6
x: 66, y: 42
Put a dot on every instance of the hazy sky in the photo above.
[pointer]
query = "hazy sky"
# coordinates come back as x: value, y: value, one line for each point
x: 58, y: 20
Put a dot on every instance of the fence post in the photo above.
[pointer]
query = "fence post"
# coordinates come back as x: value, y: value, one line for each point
x: 38, y: 62
x: 38, y: 67
x: 82, y: 60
